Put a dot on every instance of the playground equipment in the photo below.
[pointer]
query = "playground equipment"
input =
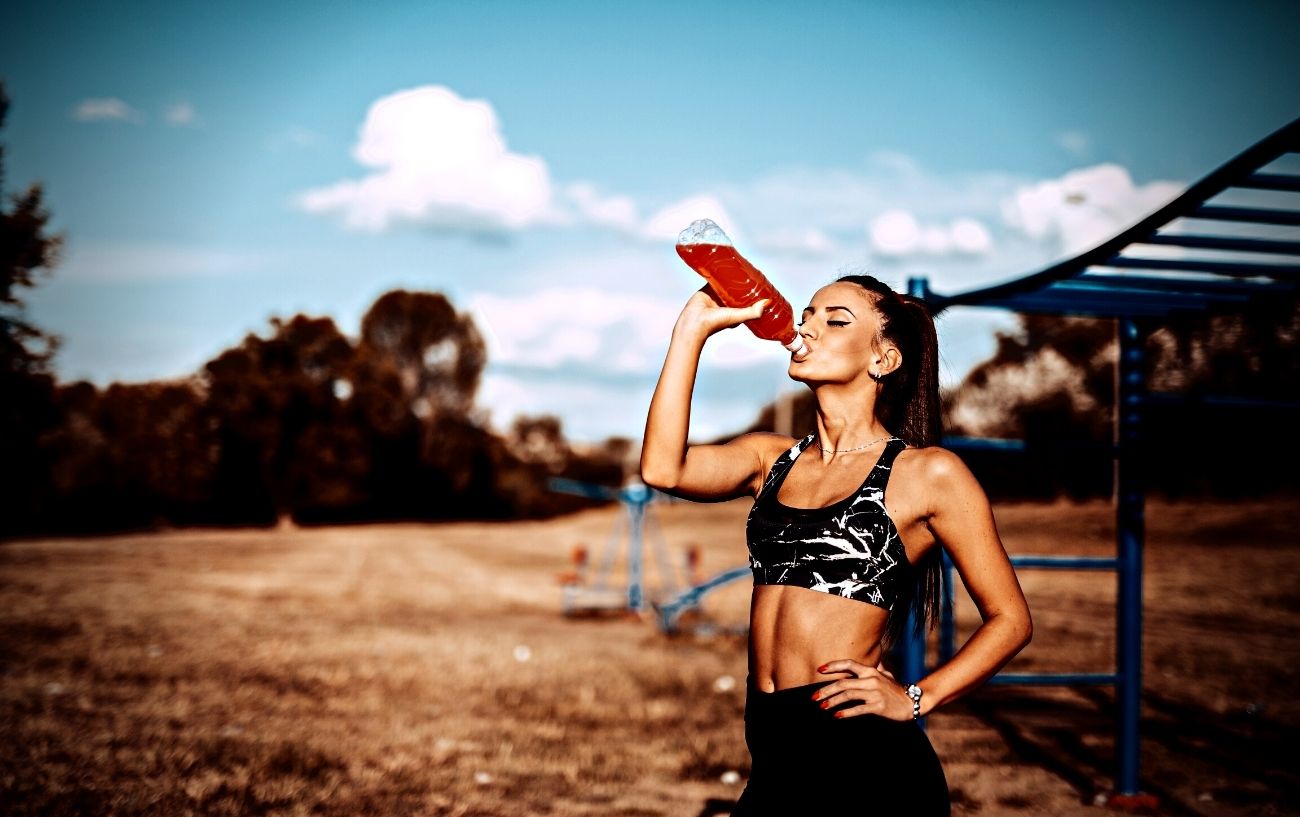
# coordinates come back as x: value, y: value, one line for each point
x: 1227, y: 261
x: 1228, y: 266
x: 670, y: 613
x: 585, y: 594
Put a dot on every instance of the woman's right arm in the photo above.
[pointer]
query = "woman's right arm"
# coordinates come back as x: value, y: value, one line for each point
x: 700, y: 472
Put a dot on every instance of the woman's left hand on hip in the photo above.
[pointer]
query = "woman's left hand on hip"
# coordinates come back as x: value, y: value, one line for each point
x: 873, y: 689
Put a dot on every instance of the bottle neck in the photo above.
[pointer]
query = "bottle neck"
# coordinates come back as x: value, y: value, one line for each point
x: 795, y: 344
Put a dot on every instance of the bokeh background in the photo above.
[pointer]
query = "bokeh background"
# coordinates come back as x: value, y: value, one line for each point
x: 304, y: 303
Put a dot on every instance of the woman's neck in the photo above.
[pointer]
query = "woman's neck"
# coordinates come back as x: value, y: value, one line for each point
x: 846, y: 419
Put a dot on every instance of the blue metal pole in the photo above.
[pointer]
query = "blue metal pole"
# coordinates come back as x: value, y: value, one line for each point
x: 947, y: 614
x: 1129, y: 531
x: 669, y: 613
x: 911, y: 653
x: 637, y: 501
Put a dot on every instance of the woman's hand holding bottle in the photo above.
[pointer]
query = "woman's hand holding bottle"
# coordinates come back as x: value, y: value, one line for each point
x: 704, y: 315
x: 734, y: 282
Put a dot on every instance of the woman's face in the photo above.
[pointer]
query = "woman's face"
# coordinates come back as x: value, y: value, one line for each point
x: 842, y: 331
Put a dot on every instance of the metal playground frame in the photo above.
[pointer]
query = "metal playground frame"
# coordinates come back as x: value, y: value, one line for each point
x: 1218, y: 257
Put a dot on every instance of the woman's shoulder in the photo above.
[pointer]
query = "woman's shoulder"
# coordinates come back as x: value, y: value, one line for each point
x: 933, y: 463
x: 768, y: 444
x: 767, y: 447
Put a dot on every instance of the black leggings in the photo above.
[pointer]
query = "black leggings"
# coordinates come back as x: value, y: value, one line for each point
x: 806, y: 761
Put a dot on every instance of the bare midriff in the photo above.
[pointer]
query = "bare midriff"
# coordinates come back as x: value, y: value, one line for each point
x: 794, y: 630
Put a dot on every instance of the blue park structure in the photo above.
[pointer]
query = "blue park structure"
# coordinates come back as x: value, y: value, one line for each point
x: 1217, y: 258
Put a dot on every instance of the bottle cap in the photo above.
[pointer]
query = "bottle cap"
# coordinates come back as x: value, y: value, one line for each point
x: 703, y: 231
x: 797, y: 346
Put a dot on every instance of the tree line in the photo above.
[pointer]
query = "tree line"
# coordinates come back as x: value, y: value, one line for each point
x: 301, y: 422
x: 304, y: 422
x: 298, y: 422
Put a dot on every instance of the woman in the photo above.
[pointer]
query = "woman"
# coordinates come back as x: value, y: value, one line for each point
x: 844, y: 539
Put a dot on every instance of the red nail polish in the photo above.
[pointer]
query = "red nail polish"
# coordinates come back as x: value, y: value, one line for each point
x: 825, y: 704
x: 839, y: 714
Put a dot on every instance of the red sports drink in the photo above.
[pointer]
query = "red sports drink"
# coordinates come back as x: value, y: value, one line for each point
x: 708, y: 251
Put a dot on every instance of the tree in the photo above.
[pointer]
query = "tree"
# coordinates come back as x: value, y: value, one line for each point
x: 1052, y: 384
x: 132, y: 456
x: 310, y: 425
x: 276, y: 403
x: 437, y: 352
x: 27, y: 249
x: 539, y: 441
x: 419, y: 362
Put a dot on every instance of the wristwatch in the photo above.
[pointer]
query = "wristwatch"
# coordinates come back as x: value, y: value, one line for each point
x: 914, y: 692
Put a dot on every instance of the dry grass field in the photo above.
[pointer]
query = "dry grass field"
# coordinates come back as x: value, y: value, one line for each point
x: 426, y: 669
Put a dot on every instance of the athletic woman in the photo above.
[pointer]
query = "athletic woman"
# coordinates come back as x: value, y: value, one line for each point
x: 844, y: 540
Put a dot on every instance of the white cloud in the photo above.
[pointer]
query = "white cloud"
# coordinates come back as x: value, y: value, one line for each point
x: 899, y: 233
x: 589, y: 411
x: 970, y: 237
x: 956, y: 241
x: 669, y: 221
x: 440, y: 161
x: 614, y: 332
x: 592, y: 355
x: 841, y: 200
x: 105, y: 109
x: 895, y: 232
x: 181, y: 115
x: 810, y: 242
x: 1084, y: 207
x: 617, y: 212
x: 611, y: 332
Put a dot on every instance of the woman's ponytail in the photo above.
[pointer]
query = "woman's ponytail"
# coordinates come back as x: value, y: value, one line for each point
x: 922, y: 414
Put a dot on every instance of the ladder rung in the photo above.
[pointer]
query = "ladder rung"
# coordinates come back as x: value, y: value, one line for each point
x: 1067, y: 562
x: 1044, y: 679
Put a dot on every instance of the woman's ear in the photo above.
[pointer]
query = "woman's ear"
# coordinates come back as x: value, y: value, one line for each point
x: 890, y: 359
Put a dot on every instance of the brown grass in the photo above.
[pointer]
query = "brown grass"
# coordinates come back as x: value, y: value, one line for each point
x: 377, y: 670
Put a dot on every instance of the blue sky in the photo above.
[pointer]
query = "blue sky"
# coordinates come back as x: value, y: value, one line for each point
x: 213, y: 165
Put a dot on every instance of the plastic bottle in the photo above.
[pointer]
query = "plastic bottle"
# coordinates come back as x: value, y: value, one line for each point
x: 707, y: 250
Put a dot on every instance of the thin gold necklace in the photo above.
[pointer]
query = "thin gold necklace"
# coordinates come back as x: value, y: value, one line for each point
x: 859, y: 448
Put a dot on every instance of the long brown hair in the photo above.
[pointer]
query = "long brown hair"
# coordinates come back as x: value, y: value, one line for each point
x: 908, y: 407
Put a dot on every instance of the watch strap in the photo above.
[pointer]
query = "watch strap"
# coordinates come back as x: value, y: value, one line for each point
x: 914, y: 692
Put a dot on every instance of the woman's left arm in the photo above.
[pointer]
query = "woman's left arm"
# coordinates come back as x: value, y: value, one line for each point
x: 962, y: 523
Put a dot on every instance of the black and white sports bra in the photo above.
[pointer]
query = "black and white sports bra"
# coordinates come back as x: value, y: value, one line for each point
x: 850, y: 548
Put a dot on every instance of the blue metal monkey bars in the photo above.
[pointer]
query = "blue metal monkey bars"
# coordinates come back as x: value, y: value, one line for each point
x: 1214, y: 256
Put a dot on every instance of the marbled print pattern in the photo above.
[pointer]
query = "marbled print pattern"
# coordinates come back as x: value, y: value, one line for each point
x: 851, y: 548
